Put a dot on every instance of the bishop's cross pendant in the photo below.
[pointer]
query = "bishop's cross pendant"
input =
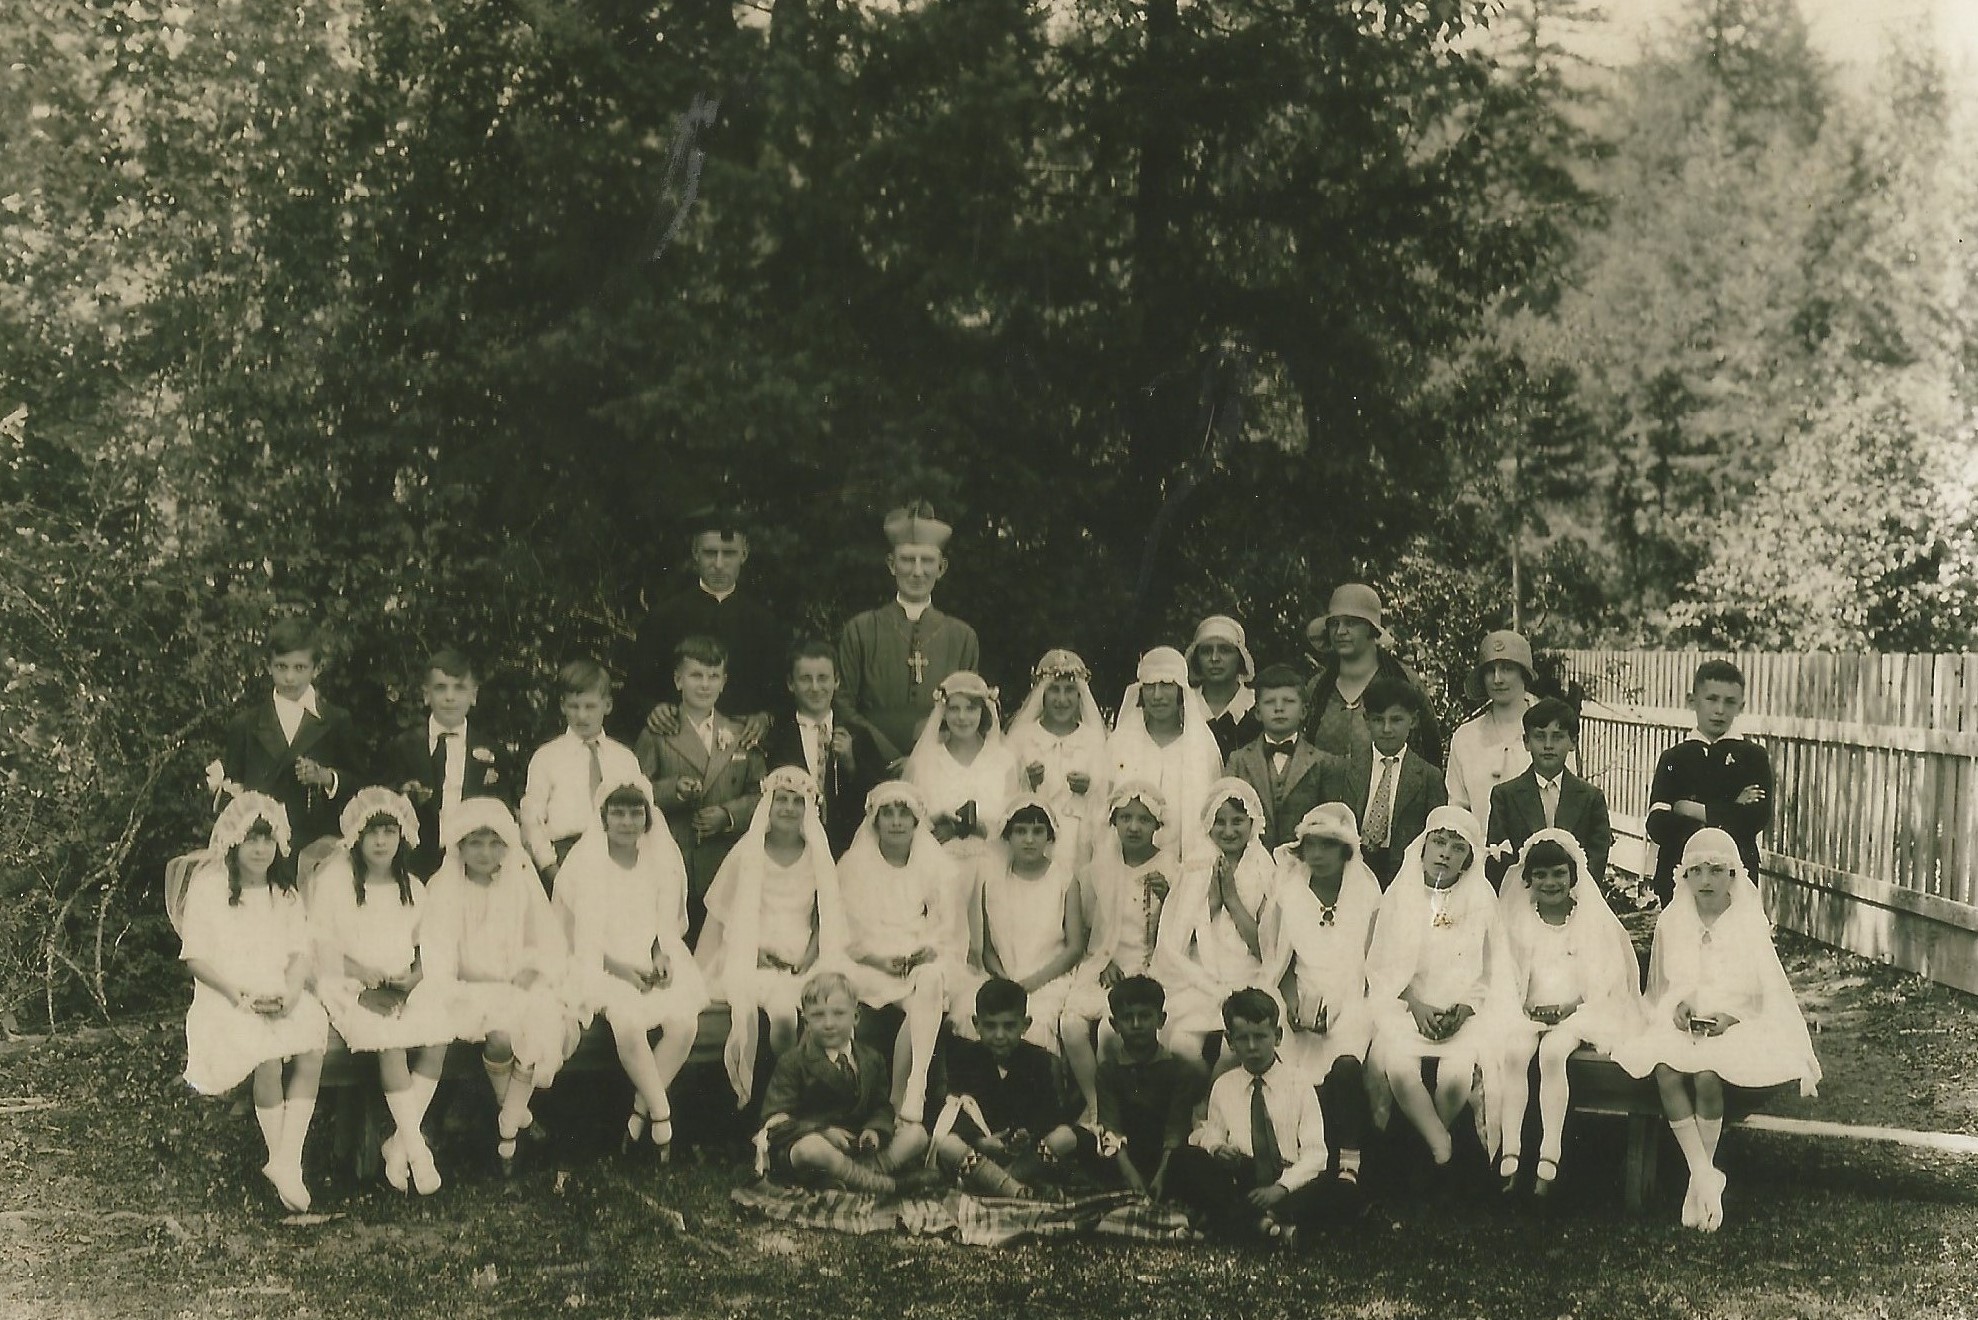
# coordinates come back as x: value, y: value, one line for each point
x: 917, y: 662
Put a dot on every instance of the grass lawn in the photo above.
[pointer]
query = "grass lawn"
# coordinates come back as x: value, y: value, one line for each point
x: 123, y: 1195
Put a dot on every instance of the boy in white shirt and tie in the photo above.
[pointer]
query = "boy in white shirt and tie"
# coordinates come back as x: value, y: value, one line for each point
x: 559, y: 805
x: 1252, y: 1168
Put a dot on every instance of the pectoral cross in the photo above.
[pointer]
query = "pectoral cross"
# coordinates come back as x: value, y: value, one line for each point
x: 917, y: 662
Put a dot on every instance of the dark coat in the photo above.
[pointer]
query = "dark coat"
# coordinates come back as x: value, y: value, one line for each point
x: 257, y: 756
x: 844, y: 783
x: 407, y: 766
x: 816, y: 1094
x: 1289, y: 796
x: 1517, y: 813
x: 1350, y: 780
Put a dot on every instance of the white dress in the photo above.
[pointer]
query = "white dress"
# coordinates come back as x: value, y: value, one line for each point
x: 1482, y: 755
x: 619, y: 912
x: 1202, y: 959
x: 382, y: 932
x: 1024, y: 918
x: 1327, y: 951
x: 1123, y: 916
x: 890, y: 912
x: 1081, y: 816
x: 248, y: 944
x: 476, y: 938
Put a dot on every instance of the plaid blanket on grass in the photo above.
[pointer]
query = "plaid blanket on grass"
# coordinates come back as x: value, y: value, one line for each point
x: 977, y: 1220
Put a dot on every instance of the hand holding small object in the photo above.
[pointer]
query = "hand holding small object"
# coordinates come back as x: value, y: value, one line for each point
x: 868, y: 1142
x: 1077, y: 780
x: 841, y: 742
x: 709, y: 821
x: 1034, y: 772
x: 686, y: 786
x: 1157, y: 884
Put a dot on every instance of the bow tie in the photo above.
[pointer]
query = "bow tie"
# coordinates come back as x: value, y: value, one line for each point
x: 1280, y: 748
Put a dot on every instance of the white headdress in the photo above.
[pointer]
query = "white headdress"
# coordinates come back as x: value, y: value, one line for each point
x: 238, y: 819
x: 731, y: 941
x: 369, y: 803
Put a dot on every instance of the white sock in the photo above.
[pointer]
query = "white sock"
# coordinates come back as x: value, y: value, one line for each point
x: 1711, y: 1129
x: 1691, y: 1141
x: 295, y: 1130
x: 270, y: 1118
x: 405, y: 1115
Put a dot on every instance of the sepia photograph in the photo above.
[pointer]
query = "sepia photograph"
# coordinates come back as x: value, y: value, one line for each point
x: 989, y: 658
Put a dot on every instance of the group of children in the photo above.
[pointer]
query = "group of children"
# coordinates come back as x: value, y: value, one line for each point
x: 1198, y: 954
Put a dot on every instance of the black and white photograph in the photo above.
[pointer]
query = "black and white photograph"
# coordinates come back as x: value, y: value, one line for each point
x: 989, y: 658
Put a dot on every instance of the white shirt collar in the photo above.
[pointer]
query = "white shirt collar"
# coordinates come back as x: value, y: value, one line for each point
x: 718, y: 595
x: 1697, y: 735
x: 815, y: 721
x: 307, y: 701
x: 434, y: 729
x: 1544, y: 783
x: 1239, y: 705
x: 1397, y: 758
x: 913, y: 609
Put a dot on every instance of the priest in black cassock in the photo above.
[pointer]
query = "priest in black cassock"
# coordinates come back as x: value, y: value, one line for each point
x: 891, y: 659
x: 718, y: 606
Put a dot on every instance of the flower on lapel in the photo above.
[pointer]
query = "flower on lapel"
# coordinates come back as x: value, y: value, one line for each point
x: 491, y: 777
x: 416, y: 791
x: 485, y: 755
x: 723, y: 740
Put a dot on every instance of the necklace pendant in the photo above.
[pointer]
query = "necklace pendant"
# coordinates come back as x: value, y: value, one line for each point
x: 1443, y: 921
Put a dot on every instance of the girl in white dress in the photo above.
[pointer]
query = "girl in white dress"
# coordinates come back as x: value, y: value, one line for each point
x: 365, y: 906
x: 1210, y: 944
x: 1315, y: 934
x: 962, y: 767
x: 1720, y: 1011
x: 895, y: 881
x: 1031, y: 928
x: 246, y: 944
x: 773, y: 917
x: 1058, y: 740
x: 622, y: 892
x: 1162, y: 736
x: 1437, y: 965
x: 1574, y: 982
x: 496, y: 955
x: 1122, y: 890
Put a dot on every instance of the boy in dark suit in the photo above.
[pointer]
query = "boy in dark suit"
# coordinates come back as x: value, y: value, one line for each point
x: 837, y: 749
x: 446, y: 759
x: 1710, y: 779
x: 293, y: 745
x: 1390, y: 787
x: 828, y: 1119
x: 1010, y: 1107
x: 1285, y: 769
x: 1547, y: 796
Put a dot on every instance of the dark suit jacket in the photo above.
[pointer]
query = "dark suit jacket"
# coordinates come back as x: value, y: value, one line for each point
x: 257, y: 756
x: 845, y: 783
x: 1288, y: 797
x: 407, y: 764
x: 1035, y: 1095
x: 1517, y: 813
x: 667, y: 760
x: 816, y: 1094
x: 1349, y: 779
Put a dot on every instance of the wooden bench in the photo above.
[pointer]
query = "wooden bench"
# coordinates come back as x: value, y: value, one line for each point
x: 1600, y: 1086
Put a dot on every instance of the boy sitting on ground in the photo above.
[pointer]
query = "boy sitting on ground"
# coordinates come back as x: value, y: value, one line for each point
x: 1008, y: 1118
x: 828, y: 1119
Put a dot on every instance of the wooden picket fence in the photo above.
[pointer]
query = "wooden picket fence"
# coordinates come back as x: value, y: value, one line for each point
x: 1876, y: 763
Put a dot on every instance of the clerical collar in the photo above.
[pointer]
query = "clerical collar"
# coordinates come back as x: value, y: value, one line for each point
x: 718, y: 595
x: 911, y: 609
